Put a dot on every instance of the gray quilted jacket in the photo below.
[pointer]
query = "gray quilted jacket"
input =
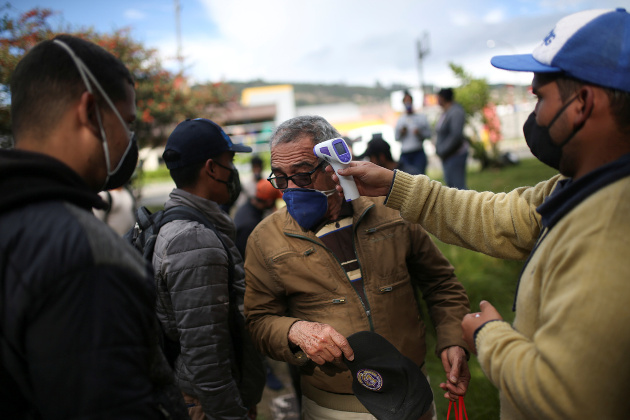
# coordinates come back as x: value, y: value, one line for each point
x: 191, y: 274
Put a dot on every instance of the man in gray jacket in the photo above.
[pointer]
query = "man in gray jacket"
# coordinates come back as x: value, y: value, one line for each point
x: 451, y: 145
x: 197, y: 281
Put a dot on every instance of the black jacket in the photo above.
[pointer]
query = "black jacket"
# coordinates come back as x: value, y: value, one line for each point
x: 77, y: 322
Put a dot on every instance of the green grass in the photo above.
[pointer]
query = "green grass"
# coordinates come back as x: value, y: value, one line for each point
x: 161, y: 174
x: 485, y: 278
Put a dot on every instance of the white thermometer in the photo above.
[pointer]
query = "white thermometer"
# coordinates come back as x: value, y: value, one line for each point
x: 337, y: 153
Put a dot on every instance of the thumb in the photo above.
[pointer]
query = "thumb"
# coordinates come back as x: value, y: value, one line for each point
x: 488, y: 310
x: 454, y: 373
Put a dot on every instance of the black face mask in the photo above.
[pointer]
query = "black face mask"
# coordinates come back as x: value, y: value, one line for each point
x: 540, y: 142
x: 121, y: 175
x: 233, y: 184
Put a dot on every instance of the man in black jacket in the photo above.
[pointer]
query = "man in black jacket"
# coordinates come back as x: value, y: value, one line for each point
x: 77, y: 328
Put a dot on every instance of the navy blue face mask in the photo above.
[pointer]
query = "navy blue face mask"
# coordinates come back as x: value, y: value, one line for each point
x: 308, y: 207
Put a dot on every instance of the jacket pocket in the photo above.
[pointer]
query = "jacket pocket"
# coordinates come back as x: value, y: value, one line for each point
x: 399, y: 301
x: 325, y: 307
x: 305, y: 272
x: 385, y: 231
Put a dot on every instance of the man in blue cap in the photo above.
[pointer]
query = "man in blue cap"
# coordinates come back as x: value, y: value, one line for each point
x: 197, y: 281
x: 564, y: 356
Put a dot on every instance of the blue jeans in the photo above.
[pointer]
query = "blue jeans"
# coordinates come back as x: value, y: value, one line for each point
x: 414, y: 163
x: 455, y: 170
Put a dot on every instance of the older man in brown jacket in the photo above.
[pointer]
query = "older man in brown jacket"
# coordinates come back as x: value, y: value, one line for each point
x: 322, y: 268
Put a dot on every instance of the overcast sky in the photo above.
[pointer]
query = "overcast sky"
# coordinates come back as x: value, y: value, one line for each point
x: 356, y: 42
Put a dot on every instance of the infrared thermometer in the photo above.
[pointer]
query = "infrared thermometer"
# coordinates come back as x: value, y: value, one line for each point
x: 337, y: 153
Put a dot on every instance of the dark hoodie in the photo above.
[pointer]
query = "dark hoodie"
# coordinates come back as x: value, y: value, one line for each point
x: 77, y: 323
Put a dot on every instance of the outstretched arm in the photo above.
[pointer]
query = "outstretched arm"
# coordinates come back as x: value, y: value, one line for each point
x: 372, y: 180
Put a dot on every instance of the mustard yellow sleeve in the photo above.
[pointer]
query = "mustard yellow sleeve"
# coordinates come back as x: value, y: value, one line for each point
x: 503, y: 225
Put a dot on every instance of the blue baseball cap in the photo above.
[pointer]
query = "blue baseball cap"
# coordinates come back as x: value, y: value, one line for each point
x: 197, y: 141
x: 592, y: 46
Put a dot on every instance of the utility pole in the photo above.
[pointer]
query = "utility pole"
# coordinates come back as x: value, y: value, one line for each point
x: 422, y: 50
x: 178, y: 29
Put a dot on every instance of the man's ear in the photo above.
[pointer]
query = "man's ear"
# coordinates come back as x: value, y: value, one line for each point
x: 87, y: 113
x: 586, y: 102
x: 209, y: 167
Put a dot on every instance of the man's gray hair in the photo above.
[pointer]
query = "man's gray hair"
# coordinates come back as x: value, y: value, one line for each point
x: 295, y: 129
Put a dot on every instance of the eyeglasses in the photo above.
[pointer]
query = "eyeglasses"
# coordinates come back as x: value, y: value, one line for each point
x: 301, y: 180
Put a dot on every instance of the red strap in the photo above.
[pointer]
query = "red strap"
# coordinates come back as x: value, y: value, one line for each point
x: 462, y: 408
x: 448, y: 413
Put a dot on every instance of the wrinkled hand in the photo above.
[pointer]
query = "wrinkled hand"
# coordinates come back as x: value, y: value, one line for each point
x: 320, y: 342
x: 457, y: 373
x: 372, y: 180
x: 471, y: 322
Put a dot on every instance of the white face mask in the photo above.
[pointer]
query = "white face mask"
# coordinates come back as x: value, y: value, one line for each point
x: 122, y: 172
x: 328, y: 193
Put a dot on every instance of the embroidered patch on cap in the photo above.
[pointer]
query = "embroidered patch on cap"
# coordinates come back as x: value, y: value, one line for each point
x: 370, y: 379
x: 390, y: 385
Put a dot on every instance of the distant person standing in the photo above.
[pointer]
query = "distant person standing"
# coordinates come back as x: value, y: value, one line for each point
x: 379, y: 152
x: 451, y: 145
x: 411, y: 131
x: 253, y: 211
x: 248, y: 184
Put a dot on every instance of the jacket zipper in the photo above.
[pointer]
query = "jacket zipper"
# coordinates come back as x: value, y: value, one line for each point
x: 541, y: 237
x: 367, y: 311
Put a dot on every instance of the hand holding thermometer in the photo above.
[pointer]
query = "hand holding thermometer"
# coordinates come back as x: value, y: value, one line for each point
x: 337, y: 153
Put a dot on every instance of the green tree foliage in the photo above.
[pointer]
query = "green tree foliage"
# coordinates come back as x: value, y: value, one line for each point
x: 163, y: 98
x: 17, y: 36
x: 474, y: 96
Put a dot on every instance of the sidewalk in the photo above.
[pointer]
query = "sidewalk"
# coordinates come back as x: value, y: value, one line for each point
x: 282, y: 404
